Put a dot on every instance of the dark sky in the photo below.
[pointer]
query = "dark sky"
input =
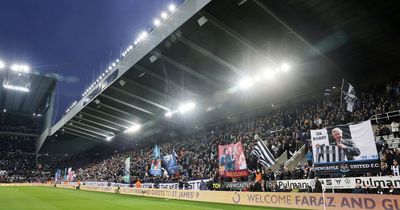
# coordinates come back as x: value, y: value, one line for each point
x: 72, y: 38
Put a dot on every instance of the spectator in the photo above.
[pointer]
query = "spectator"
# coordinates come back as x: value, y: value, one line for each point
x: 395, y: 129
x: 392, y: 190
x: 318, y: 186
x: 379, y: 190
x: 358, y: 189
x: 384, y: 169
x: 395, y: 168
x: 309, y: 157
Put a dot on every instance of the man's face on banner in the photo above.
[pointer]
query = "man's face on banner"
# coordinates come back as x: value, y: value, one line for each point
x: 225, y: 151
x: 337, y: 135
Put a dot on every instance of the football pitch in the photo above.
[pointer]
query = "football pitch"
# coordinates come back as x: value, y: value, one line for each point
x: 47, y: 198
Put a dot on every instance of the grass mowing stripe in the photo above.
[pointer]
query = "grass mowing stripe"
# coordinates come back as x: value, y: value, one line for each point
x: 20, y: 198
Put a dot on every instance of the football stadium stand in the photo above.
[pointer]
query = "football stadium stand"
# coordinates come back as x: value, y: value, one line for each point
x: 205, y: 101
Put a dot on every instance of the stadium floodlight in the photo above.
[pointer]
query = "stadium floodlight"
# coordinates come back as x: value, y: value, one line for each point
x: 20, y: 68
x: 97, y: 80
x: 130, y: 47
x: 110, y: 68
x: 245, y: 83
x: 17, y: 88
x: 117, y: 60
x: 209, y: 109
x: 4, y: 110
x: 164, y: 15
x: 109, y: 138
x: 168, y: 114
x: 2, y: 65
x: 285, y: 67
x: 143, y: 35
x: 38, y: 115
x: 136, y: 42
x: 133, y: 129
x: 123, y: 54
x: 186, y: 107
x: 113, y: 64
x: 171, y: 7
x: 269, y: 75
x: 156, y: 22
x: 257, y: 78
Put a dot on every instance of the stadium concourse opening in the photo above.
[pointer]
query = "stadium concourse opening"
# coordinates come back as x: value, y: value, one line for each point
x: 233, y: 104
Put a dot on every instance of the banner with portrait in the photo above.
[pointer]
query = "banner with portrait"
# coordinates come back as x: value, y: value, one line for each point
x: 345, y: 149
x: 170, y: 163
x: 155, y: 168
x: 232, y: 161
x: 71, y: 175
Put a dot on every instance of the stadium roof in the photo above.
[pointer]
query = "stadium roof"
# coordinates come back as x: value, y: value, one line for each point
x: 22, y: 102
x: 205, y: 50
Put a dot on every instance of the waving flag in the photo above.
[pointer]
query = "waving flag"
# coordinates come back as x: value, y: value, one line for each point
x: 155, y: 169
x: 264, y: 155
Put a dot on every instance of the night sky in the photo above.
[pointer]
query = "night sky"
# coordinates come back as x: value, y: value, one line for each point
x: 72, y: 38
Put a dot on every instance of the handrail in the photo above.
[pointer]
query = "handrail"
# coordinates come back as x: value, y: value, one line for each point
x: 278, y: 161
x: 298, y: 152
x: 295, y: 155
x: 386, y: 115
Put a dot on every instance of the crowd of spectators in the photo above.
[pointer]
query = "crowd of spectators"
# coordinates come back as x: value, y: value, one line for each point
x: 284, y: 128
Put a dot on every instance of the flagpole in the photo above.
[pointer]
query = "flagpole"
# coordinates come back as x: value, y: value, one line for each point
x: 323, y: 196
x: 341, y: 94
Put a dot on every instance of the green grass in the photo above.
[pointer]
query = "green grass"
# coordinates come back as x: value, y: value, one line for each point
x: 47, y: 198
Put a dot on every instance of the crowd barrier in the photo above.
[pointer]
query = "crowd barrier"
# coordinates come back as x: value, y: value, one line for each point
x: 329, y: 183
x: 343, y: 183
x: 284, y: 200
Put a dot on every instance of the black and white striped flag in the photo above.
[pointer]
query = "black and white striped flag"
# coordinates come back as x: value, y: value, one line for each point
x: 264, y: 155
x: 348, y: 95
x: 330, y: 154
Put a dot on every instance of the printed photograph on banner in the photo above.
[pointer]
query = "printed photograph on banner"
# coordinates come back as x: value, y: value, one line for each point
x: 155, y: 167
x: 345, y: 148
x: 169, y: 162
x: 232, y: 161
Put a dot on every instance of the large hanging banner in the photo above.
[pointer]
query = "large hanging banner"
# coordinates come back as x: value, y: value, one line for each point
x: 170, y: 163
x: 155, y: 169
x: 232, y: 162
x: 345, y: 149
x: 71, y: 175
x: 127, y: 174
x: 57, y: 176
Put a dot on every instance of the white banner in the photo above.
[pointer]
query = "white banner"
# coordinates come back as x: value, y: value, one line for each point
x: 343, y: 183
x: 193, y: 185
x: 345, y: 149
